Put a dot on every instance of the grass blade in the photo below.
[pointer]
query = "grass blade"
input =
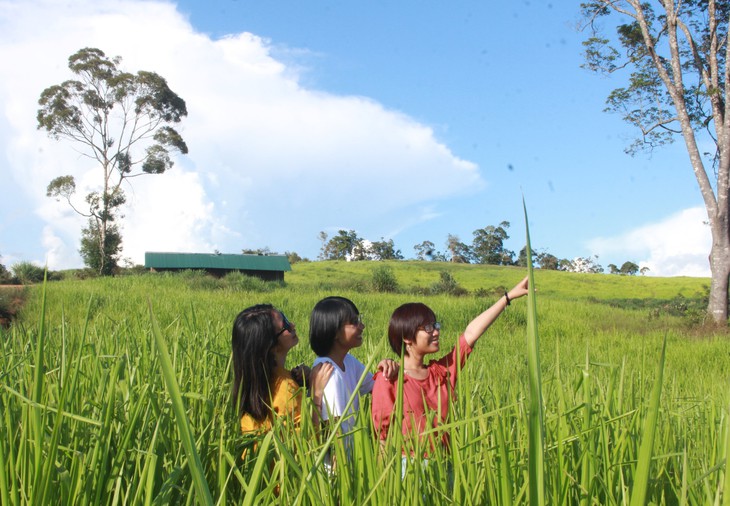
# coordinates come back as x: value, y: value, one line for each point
x: 536, y: 459
x: 646, y: 450
x: 181, y: 419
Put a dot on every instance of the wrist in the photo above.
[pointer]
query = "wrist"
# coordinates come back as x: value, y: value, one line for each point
x: 507, y: 298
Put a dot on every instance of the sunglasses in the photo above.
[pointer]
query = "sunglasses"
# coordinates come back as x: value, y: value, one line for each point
x: 430, y: 327
x: 356, y: 320
x: 286, y: 325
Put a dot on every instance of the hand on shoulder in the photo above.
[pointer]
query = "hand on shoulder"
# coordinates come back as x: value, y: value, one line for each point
x: 389, y: 369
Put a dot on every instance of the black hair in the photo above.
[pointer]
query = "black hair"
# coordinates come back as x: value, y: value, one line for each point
x: 327, y: 318
x: 252, y: 341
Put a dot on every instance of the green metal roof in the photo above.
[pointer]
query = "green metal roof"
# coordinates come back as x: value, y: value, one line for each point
x: 154, y: 260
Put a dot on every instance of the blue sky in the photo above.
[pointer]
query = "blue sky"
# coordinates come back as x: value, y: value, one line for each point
x: 400, y: 120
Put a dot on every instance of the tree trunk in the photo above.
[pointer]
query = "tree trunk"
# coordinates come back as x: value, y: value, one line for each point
x: 720, y: 267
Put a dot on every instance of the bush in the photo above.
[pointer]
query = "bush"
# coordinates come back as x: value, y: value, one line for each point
x: 28, y: 273
x: 484, y: 293
x: 384, y: 279
x: 447, y: 285
x: 239, y: 282
x: 11, y: 299
x: 5, y: 275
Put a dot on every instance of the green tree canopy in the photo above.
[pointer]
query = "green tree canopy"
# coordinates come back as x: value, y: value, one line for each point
x: 339, y: 247
x: 629, y: 268
x: 458, y: 251
x: 488, y: 245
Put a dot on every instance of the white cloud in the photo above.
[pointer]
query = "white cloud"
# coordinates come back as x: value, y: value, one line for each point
x: 676, y: 246
x: 271, y: 163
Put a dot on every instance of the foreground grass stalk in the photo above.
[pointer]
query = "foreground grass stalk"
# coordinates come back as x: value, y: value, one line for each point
x: 646, y: 450
x: 178, y: 406
x: 536, y: 461
x: 38, y: 425
x: 726, y: 481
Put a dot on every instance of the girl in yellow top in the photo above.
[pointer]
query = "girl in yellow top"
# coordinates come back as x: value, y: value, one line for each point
x: 262, y: 387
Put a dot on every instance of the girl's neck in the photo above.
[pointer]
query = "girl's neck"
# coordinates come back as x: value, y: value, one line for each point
x: 413, y: 362
x: 337, y: 354
x: 280, y: 358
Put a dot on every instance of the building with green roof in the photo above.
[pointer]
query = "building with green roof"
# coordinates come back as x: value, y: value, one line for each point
x: 266, y: 267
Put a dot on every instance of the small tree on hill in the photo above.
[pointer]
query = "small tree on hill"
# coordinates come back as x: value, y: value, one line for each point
x: 459, y: 252
x: 629, y: 268
x: 424, y: 250
x: 385, y: 250
x: 585, y: 265
x: 488, y: 245
x: 339, y: 247
x: 547, y: 261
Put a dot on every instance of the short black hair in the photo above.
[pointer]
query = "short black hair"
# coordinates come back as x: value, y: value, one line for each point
x: 327, y: 318
x: 404, y: 323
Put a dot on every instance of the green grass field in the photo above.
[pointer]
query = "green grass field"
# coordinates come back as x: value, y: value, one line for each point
x: 116, y: 391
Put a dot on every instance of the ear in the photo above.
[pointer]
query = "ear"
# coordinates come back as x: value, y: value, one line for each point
x: 407, y: 343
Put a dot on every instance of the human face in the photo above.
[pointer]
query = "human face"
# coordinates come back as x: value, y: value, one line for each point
x: 286, y: 336
x: 350, y: 334
x: 427, y: 338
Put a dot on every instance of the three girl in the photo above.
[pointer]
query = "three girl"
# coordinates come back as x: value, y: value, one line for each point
x: 262, y: 337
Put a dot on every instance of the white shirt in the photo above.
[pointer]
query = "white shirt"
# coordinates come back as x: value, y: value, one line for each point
x: 340, y: 388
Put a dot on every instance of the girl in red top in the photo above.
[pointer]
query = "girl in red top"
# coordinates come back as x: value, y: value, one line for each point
x: 427, y: 388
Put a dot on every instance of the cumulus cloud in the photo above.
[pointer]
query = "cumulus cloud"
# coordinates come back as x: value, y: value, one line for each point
x: 676, y: 246
x: 271, y: 161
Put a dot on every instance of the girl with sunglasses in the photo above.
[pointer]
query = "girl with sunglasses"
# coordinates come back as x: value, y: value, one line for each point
x: 262, y: 386
x: 335, y: 328
x: 427, y: 388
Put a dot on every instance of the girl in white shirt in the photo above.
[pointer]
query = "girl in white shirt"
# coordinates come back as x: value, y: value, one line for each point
x: 335, y: 328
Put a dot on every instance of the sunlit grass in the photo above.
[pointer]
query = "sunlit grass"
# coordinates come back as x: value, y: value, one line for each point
x: 88, y: 416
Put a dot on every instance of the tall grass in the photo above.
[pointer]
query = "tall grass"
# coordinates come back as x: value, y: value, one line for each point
x: 88, y: 415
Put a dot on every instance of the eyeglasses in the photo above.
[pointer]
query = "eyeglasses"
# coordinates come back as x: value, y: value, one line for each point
x: 356, y: 320
x: 285, y: 325
x: 430, y: 327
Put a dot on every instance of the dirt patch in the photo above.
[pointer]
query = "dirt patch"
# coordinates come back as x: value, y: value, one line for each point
x: 12, y: 298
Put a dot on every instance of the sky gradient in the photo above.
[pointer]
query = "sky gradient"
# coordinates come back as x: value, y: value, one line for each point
x: 400, y: 120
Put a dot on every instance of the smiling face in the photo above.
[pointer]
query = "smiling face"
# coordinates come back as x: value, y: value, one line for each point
x: 426, y: 340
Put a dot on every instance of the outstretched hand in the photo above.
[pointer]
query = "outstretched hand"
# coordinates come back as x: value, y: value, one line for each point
x: 389, y: 368
x: 520, y: 289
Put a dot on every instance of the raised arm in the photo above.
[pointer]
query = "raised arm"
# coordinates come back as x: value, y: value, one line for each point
x: 481, y: 323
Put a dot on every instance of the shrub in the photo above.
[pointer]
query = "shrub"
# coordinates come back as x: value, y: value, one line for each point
x: 5, y: 275
x: 384, y: 279
x: 447, y: 285
x: 28, y: 273
x: 486, y: 293
x: 237, y: 281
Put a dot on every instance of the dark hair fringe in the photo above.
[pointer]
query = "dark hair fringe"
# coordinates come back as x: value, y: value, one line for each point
x: 404, y: 323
